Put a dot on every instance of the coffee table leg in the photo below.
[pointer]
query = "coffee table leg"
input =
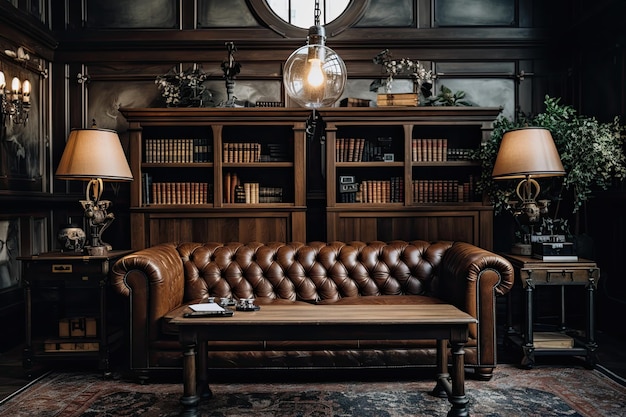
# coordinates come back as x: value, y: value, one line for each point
x: 190, y: 399
x: 202, y: 379
x: 452, y: 386
x: 458, y: 399
x: 443, y: 377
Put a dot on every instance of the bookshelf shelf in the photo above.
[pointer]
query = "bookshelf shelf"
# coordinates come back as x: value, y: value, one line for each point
x: 177, y: 165
x: 446, y: 164
x: 258, y: 164
x: 374, y: 164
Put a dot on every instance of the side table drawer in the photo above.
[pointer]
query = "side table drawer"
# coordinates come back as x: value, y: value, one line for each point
x: 66, y: 269
x: 559, y: 276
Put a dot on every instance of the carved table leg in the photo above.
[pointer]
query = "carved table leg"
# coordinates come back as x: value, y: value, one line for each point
x: 452, y: 386
x: 443, y: 377
x: 202, y: 386
x: 190, y: 399
x: 528, y: 361
x: 458, y: 399
x: 590, y: 330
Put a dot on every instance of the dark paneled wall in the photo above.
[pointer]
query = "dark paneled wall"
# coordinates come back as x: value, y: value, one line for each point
x: 92, y: 57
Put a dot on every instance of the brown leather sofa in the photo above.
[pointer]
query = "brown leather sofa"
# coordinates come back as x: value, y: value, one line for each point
x: 160, y: 281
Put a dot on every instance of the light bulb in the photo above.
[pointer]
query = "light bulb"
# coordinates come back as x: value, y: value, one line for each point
x: 26, y: 91
x: 316, y: 75
x: 15, y: 85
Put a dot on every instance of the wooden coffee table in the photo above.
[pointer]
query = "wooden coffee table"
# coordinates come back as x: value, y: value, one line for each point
x: 439, y: 322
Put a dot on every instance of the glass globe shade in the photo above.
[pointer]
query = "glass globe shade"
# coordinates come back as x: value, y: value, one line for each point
x: 315, y: 76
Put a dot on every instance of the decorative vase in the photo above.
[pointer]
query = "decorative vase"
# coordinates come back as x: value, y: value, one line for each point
x: 71, y: 238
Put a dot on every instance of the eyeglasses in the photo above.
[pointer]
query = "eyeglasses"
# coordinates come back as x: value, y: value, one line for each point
x: 10, y: 245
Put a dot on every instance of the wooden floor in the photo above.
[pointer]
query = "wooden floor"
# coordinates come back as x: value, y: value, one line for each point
x: 611, y: 355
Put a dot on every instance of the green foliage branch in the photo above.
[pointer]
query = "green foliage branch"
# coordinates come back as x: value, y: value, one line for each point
x: 592, y: 154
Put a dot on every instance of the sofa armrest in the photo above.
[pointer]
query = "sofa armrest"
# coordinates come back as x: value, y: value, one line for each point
x: 470, y: 278
x: 464, y: 264
x: 154, y: 282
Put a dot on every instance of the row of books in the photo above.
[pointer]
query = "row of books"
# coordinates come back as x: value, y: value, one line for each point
x: 180, y: 193
x: 434, y: 150
x: 460, y: 154
x: 349, y: 149
x: 237, y: 152
x: 422, y: 150
x: 357, y: 150
x: 178, y: 150
x: 241, y: 152
x: 378, y: 191
x: 442, y: 191
x: 252, y: 193
x: 429, y: 150
x: 234, y: 191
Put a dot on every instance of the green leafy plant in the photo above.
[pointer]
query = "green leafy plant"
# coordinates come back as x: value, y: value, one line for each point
x: 446, y: 97
x: 592, y: 154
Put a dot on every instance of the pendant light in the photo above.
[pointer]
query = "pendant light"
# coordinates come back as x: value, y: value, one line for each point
x: 314, y: 75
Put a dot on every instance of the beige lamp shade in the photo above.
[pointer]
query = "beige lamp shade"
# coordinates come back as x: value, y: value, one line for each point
x: 526, y: 153
x: 94, y: 153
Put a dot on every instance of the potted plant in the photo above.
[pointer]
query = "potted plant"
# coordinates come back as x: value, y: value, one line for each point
x: 592, y: 154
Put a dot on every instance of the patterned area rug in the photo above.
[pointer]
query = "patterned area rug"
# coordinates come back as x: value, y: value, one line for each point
x: 542, y: 391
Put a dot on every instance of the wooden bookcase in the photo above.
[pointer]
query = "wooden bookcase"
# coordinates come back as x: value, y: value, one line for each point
x: 436, y: 207
x: 414, y: 177
x: 184, y: 159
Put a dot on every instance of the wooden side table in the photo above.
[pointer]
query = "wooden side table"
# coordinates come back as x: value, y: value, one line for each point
x: 532, y: 273
x: 62, y: 288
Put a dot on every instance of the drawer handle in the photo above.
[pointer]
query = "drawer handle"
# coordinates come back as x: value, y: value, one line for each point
x: 561, y: 273
x: 61, y: 268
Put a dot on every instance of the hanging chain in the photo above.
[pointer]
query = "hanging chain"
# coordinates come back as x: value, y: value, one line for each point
x: 317, y: 12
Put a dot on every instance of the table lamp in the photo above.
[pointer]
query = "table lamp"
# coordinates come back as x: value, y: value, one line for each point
x: 94, y: 155
x: 528, y: 153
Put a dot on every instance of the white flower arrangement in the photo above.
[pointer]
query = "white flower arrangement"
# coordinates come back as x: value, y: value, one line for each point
x: 184, y: 88
x: 393, y: 67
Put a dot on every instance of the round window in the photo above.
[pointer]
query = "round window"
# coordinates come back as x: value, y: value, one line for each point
x: 292, y: 18
x: 301, y: 13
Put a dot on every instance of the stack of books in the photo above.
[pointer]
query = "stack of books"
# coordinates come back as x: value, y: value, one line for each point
x: 553, y: 248
x: 402, y: 99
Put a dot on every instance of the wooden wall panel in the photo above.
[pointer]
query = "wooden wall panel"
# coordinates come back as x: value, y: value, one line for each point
x: 469, y: 226
x: 220, y: 228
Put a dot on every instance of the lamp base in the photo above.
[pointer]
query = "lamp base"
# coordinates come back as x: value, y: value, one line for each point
x: 97, y: 250
x: 522, y: 249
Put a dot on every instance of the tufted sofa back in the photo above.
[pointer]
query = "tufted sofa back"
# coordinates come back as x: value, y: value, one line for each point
x: 313, y: 272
